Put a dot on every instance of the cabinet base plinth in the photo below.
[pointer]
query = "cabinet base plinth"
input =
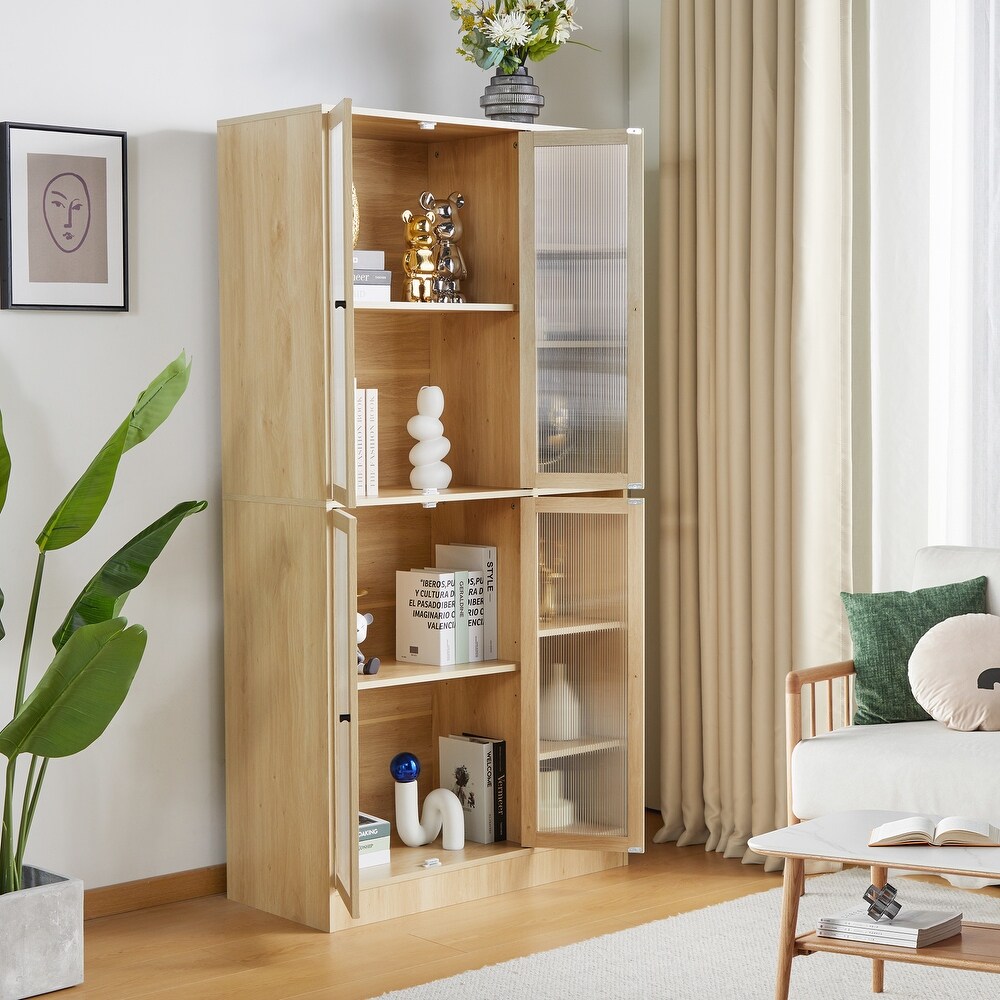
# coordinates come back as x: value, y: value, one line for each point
x: 522, y: 868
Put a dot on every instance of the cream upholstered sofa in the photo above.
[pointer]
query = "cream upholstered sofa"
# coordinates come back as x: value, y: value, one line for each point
x: 919, y: 767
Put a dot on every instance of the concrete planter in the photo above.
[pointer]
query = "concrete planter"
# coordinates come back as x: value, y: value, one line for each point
x: 41, y: 935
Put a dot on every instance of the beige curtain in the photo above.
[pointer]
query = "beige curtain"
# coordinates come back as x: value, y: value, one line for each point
x: 755, y: 375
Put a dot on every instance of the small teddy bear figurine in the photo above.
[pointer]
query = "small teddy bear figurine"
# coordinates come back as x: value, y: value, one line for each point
x: 366, y: 666
x: 449, y: 264
x: 418, y: 261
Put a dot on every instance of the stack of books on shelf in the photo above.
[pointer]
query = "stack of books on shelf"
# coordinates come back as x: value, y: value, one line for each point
x: 371, y: 281
x: 911, y: 929
x: 475, y: 769
x: 373, y: 841
x: 447, y: 614
x: 366, y: 441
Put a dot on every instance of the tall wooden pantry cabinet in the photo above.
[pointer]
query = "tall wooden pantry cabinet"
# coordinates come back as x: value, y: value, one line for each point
x: 542, y: 377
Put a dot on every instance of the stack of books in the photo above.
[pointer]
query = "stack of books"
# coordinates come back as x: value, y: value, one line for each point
x: 475, y: 769
x: 366, y: 441
x: 373, y: 841
x: 371, y: 281
x: 911, y: 929
x: 447, y: 614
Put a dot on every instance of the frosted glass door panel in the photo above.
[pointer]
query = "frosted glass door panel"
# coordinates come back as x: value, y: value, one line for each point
x: 582, y: 308
x: 587, y: 684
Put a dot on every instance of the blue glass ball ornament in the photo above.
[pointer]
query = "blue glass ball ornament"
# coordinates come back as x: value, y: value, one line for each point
x: 404, y: 767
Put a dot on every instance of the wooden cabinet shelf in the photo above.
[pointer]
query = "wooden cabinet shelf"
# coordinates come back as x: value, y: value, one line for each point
x: 568, y: 625
x: 436, y: 307
x: 544, y: 446
x: 392, y: 673
x: 400, y: 496
x: 407, y: 863
x: 554, y: 749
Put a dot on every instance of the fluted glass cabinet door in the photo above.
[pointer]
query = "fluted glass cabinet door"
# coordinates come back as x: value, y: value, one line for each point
x: 343, y: 604
x: 581, y: 308
x: 343, y: 481
x: 582, y: 673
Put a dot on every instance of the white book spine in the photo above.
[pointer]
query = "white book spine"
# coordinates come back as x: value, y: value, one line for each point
x: 460, y: 555
x: 359, y: 440
x: 369, y: 259
x: 425, y: 617
x: 371, y: 442
x: 372, y: 293
x: 461, y: 616
x: 373, y: 859
x: 477, y: 590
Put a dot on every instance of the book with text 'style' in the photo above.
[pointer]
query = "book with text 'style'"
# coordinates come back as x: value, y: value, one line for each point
x: 480, y: 559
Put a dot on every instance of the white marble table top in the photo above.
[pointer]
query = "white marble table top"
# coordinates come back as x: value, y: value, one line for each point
x: 844, y: 837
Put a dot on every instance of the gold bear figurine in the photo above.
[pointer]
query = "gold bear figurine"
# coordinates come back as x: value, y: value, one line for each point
x: 418, y: 261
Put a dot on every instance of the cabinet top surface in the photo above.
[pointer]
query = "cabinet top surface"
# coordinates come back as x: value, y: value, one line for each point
x: 377, y: 124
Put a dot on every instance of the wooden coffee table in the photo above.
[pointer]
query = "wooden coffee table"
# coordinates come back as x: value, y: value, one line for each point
x: 843, y: 837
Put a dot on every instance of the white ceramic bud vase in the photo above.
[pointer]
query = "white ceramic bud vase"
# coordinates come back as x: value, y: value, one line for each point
x: 559, y: 711
x: 429, y: 473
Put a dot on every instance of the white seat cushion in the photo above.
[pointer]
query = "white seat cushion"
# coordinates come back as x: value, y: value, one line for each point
x: 919, y: 767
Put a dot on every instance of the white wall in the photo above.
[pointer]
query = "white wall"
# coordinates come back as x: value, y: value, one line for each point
x: 900, y: 262
x: 148, y: 797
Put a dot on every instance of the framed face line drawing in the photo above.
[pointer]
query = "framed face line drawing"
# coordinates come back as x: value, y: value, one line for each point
x: 64, y: 216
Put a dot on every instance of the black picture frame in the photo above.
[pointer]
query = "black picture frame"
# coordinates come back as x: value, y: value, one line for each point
x: 63, y: 249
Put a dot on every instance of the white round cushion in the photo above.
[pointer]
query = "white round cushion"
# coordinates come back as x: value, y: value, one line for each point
x: 953, y: 670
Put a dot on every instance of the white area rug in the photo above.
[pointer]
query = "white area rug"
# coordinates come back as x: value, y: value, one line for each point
x: 726, y: 951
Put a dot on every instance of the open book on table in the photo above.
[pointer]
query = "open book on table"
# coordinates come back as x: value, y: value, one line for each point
x: 953, y: 831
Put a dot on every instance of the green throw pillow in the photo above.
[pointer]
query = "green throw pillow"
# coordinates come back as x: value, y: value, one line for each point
x: 884, y: 630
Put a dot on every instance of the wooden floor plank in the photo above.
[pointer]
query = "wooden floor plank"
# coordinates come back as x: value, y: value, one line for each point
x: 214, y: 949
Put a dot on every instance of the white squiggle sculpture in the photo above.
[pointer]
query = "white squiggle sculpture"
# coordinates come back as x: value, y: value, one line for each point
x: 441, y: 809
x: 429, y: 473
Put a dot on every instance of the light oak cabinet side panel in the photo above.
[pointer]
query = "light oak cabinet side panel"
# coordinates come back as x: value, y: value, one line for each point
x: 273, y: 307
x: 278, y: 781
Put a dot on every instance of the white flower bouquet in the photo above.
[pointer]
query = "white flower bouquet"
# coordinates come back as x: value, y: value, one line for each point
x: 504, y: 35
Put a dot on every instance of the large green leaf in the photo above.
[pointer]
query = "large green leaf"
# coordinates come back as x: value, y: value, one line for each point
x: 82, y: 506
x: 80, y: 692
x: 154, y: 405
x: 4, y: 480
x: 106, y: 593
x: 4, y: 466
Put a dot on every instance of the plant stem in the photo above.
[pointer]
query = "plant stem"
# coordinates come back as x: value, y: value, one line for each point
x: 28, y: 809
x: 7, y: 881
x: 29, y: 629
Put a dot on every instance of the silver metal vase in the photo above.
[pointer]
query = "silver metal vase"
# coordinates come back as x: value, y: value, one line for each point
x: 512, y: 97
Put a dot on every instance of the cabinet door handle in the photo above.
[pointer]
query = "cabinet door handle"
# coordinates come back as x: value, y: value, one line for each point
x: 340, y: 304
x: 345, y: 718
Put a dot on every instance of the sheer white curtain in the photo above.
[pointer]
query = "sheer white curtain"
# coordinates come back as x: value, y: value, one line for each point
x: 935, y: 288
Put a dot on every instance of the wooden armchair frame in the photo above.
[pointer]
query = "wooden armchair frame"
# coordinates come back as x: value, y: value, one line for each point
x: 804, y: 682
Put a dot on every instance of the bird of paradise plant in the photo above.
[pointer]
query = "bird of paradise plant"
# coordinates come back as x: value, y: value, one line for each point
x: 97, y: 653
